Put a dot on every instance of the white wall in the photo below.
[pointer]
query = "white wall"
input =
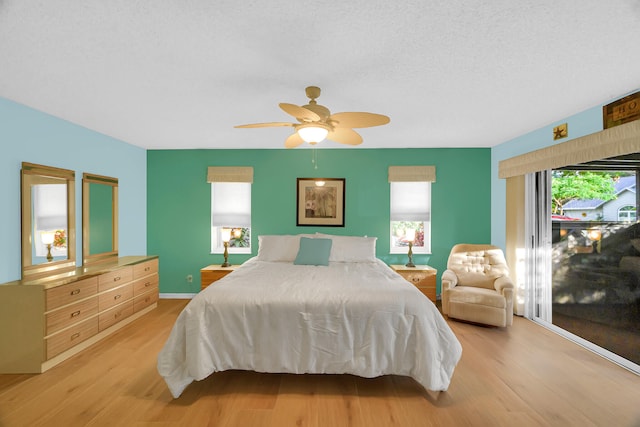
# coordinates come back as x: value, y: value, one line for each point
x: 27, y: 135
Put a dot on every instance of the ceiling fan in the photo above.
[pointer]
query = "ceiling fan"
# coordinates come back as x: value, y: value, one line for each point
x: 316, y: 123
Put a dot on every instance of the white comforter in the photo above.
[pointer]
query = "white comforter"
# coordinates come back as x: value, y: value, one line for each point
x: 356, y: 318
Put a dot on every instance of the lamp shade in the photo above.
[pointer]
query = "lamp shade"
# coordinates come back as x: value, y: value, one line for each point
x: 312, y: 132
x: 47, y: 237
x: 225, y: 234
x: 410, y: 234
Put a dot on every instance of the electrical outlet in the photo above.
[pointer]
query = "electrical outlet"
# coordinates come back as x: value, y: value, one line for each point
x: 189, y: 278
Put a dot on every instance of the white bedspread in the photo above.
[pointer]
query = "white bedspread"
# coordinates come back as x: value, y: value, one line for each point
x: 355, y: 318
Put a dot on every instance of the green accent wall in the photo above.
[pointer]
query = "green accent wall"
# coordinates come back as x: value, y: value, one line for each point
x: 179, y: 201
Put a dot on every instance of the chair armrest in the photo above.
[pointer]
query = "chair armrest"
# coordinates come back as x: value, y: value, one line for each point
x: 503, y: 283
x: 449, y: 280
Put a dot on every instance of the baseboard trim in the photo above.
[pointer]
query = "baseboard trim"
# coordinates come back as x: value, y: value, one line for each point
x: 177, y: 296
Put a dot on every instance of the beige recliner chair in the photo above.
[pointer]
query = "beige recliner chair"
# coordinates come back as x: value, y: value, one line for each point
x: 476, y: 286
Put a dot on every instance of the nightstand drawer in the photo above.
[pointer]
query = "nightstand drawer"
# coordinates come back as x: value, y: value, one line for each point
x: 211, y: 273
x: 422, y: 277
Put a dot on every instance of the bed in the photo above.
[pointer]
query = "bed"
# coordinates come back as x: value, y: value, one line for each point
x: 284, y: 311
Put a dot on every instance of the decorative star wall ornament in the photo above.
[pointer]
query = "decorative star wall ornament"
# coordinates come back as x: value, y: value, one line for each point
x: 560, y: 131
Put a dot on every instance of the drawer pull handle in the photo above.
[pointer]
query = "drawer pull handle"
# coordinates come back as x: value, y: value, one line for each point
x: 147, y: 284
x: 74, y: 336
x: 115, y: 279
x: 416, y: 279
x: 74, y: 292
x: 75, y: 313
x: 116, y: 315
x: 147, y: 299
x: 117, y: 296
x: 147, y: 268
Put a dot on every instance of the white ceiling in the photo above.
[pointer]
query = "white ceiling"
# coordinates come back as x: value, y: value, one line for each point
x: 450, y: 73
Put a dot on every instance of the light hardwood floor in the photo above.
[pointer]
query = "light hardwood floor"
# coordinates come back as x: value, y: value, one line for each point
x: 520, y: 376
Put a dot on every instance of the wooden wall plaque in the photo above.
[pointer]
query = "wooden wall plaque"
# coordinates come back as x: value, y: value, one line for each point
x: 624, y: 110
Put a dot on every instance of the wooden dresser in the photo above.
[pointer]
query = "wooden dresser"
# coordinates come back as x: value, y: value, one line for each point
x: 46, y: 321
x: 423, y: 277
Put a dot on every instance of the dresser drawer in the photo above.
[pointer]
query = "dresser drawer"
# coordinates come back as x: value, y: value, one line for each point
x: 70, y: 314
x: 70, y: 293
x: 114, y: 315
x: 114, y: 297
x: 67, y: 338
x: 115, y: 278
x: 145, y: 268
x: 144, y: 301
x: 145, y: 284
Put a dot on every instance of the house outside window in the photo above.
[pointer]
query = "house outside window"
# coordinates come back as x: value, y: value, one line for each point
x: 230, y: 209
x: 410, y: 208
x: 627, y: 214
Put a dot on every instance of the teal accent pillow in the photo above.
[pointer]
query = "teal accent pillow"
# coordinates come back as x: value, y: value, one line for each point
x: 313, y: 252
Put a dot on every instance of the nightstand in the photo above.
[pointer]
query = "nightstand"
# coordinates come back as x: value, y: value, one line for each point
x: 211, y: 273
x: 423, y: 277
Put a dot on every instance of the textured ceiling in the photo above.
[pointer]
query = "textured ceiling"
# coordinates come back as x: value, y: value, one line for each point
x: 449, y: 73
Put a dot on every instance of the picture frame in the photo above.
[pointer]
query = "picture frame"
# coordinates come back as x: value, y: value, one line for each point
x: 320, y: 202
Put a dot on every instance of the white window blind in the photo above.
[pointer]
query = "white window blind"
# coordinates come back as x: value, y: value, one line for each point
x: 50, y: 206
x: 230, y: 204
x: 410, y: 201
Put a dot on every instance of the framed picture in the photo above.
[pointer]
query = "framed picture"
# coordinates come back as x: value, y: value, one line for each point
x: 320, y: 202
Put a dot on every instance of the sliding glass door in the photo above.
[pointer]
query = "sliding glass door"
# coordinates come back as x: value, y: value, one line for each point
x: 583, y: 273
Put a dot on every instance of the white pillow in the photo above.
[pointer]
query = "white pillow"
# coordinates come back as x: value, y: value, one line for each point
x: 351, y: 248
x: 278, y: 248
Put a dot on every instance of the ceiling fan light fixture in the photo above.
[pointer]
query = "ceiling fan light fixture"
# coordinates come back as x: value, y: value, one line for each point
x: 313, y: 133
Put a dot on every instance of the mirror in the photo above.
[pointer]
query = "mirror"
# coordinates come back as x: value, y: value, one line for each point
x: 48, y: 221
x: 99, y: 218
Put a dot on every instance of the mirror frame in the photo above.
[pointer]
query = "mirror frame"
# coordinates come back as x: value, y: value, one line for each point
x: 89, y: 258
x: 29, y: 175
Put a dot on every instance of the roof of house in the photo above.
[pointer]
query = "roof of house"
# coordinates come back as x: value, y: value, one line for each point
x: 625, y: 183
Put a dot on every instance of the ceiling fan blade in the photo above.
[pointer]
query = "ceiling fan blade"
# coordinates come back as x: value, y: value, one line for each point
x: 293, y: 140
x: 265, y: 125
x: 358, y: 120
x: 299, y: 113
x: 345, y: 136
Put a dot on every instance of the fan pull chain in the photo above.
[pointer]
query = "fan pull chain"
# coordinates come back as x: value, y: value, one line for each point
x: 314, y: 158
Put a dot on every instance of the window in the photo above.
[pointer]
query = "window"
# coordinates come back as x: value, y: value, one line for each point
x: 230, y: 209
x: 627, y: 214
x: 410, y: 208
